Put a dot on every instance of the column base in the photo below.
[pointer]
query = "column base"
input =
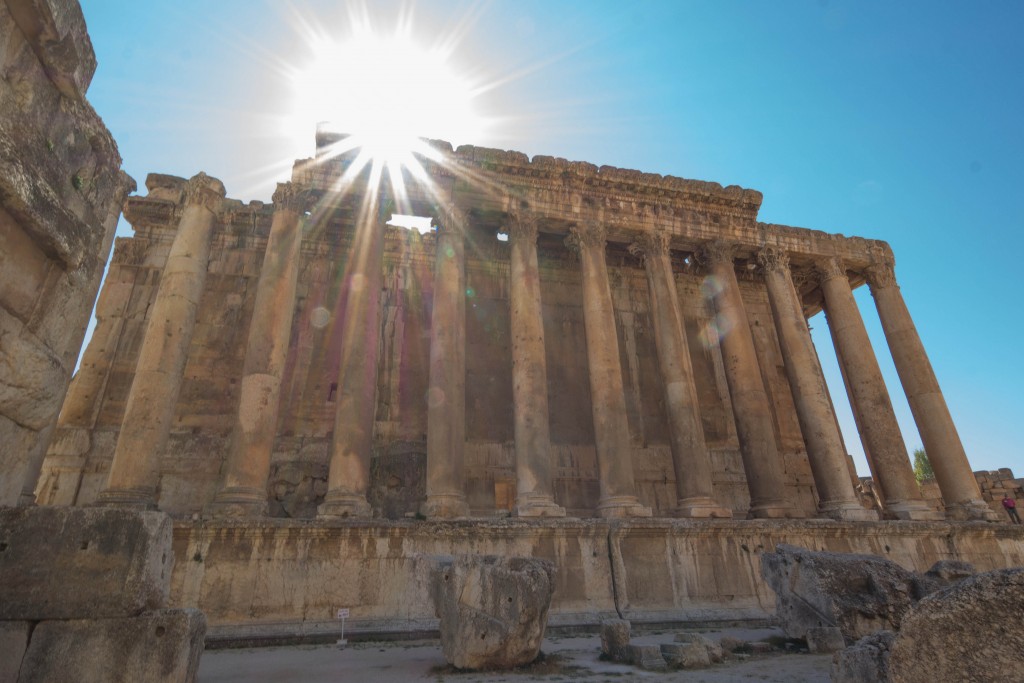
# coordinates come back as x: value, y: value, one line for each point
x: 141, y: 499
x: 701, y: 507
x: 340, y: 504
x: 912, y: 510
x: 538, y: 506
x: 445, y: 506
x: 774, y: 509
x: 237, y: 502
x: 847, y: 511
x: 972, y: 510
x: 622, y: 506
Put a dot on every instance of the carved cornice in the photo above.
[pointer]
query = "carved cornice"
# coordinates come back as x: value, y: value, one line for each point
x: 830, y: 269
x: 452, y: 217
x: 591, y: 234
x: 129, y: 251
x: 522, y: 226
x: 291, y: 197
x: 203, y: 190
x: 803, y: 276
x: 716, y: 252
x: 773, y: 259
x: 655, y: 243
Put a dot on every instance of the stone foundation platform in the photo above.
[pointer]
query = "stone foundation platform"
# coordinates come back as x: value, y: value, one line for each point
x: 269, y: 580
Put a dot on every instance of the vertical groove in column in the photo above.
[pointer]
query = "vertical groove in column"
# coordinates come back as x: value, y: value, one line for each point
x: 135, y: 470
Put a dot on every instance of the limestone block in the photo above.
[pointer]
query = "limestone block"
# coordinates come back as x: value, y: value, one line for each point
x: 615, y: 638
x: 860, y: 594
x: 731, y: 644
x: 972, y: 626
x: 646, y: 657
x: 493, y: 610
x: 31, y: 376
x: 163, y: 646
x: 68, y: 563
x: 825, y: 639
x: 866, y: 661
x: 714, y: 649
x: 13, y: 643
x: 691, y: 655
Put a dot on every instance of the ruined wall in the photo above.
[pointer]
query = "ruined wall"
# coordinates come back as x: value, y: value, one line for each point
x: 61, y: 190
x: 80, y: 458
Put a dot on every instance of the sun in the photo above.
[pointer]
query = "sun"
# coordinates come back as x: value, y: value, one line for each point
x: 387, y: 92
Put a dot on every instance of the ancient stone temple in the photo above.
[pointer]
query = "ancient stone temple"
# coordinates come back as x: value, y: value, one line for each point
x: 620, y: 360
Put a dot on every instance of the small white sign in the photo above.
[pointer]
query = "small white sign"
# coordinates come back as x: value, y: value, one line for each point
x: 343, y: 613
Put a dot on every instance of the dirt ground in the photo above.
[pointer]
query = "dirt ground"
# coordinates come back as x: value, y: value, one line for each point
x: 570, y: 658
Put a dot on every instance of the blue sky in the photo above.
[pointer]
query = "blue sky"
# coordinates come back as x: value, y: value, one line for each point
x: 897, y: 121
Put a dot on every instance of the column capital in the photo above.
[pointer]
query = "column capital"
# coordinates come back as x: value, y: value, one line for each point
x: 587, y: 234
x: 830, y: 269
x: 881, y: 275
x: 650, y: 243
x: 451, y: 217
x: 204, y: 190
x: 289, y: 196
x: 773, y: 259
x: 716, y: 252
x: 522, y: 225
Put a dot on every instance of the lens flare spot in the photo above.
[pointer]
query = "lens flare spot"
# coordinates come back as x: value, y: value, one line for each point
x: 470, y: 292
x: 435, y: 397
x: 319, y: 317
x: 711, y: 287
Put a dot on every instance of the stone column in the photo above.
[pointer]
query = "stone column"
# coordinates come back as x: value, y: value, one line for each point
x: 446, y: 395
x: 878, y: 426
x: 135, y: 470
x: 348, y: 479
x: 761, y: 459
x: 825, y: 451
x: 243, y: 491
x: 690, y: 458
x: 960, y: 491
x: 608, y: 400
x: 534, y: 476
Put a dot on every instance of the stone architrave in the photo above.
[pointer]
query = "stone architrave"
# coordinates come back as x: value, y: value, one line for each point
x: 878, y: 426
x: 243, y: 492
x: 135, y: 470
x: 825, y: 451
x: 960, y: 492
x: 690, y: 458
x: 608, y: 401
x: 446, y: 395
x: 534, y: 476
x: 761, y: 459
x: 348, y: 479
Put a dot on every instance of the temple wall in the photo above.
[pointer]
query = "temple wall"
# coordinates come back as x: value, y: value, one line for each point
x: 279, y: 578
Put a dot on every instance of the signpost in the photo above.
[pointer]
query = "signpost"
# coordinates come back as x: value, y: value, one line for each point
x: 343, y: 615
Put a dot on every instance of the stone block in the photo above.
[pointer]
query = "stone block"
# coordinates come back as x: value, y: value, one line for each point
x: 825, y: 639
x: 866, y: 661
x: 13, y: 643
x: 615, y: 638
x: 493, y: 610
x: 163, y: 646
x: 730, y: 644
x: 692, y: 655
x: 646, y: 657
x: 72, y: 563
x: 714, y: 650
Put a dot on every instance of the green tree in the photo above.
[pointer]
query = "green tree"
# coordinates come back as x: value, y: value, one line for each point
x: 922, y: 468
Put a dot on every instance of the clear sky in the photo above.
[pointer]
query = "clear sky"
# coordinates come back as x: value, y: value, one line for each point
x: 897, y: 121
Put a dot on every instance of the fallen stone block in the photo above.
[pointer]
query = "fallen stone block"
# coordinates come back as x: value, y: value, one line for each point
x: 714, y: 649
x: 825, y: 639
x: 163, y: 646
x: 73, y: 563
x: 13, y: 643
x: 646, y: 657
x: 866, y: 661
x: 692, y: 655
x: 972, y: 626
x: 731, y: 644
x: 615, y: 638
x: 493, y: 610
x: 860, y: 594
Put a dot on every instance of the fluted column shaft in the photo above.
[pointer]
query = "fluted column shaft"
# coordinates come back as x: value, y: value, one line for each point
x: 446, y: 395
x: 608, y: 401
x: 825, y: 451
x: 348, y: 480
x: 761, y: 459
x: 878, y: 426
x: 243, y: 490
x: 534, y: 469
x: 135, y: 470
x: 959, y: 488
x: 690, y: 458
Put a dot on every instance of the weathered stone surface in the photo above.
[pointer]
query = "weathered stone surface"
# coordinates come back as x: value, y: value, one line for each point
x: 615, y: 638
x: 825, y: 639
x: 731, y: 644
x: 163, y: 646
x: 714, y: 650
x: 866, y: 661
x: 973, y: 627
x: 692, y: 655
x: 69, y: 563
x: 942, y: 574
x: 493, y: 610
x: 13, y: 643
x: 646, y: 657
x: 860, y: 594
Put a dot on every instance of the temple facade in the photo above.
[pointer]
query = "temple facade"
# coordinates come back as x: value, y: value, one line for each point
x: 568, y: 341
